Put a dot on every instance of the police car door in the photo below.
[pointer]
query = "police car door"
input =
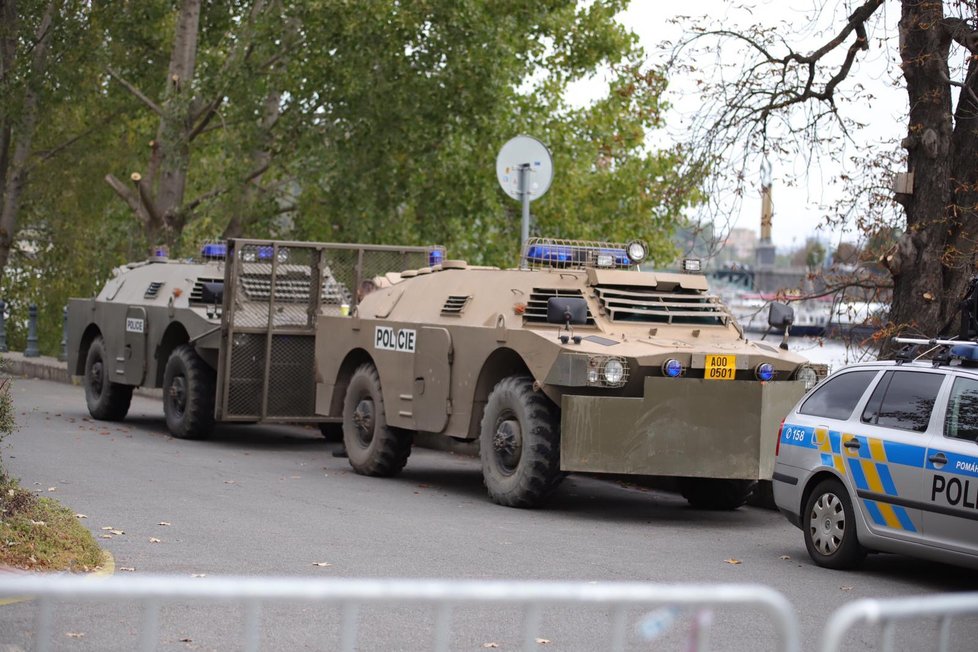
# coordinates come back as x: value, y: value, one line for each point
x: 885, y: 460
x: 951, y: 472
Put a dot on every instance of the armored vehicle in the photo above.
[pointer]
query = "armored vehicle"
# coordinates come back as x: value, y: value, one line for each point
x: 576, y: 361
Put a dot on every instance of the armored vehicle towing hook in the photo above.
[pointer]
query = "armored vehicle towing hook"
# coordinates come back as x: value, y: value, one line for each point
x: 648, y: 373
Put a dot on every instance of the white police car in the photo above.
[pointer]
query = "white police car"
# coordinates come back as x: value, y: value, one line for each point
x: 883, y: 456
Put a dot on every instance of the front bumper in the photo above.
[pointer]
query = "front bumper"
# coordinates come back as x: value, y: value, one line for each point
x: 680, y: 427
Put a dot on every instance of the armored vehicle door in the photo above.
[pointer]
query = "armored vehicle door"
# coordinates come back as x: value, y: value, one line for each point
x: 432, y: 379
x: 134, y: 347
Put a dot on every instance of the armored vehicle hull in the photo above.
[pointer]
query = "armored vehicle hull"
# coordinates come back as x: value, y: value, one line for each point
x: 576, y: 361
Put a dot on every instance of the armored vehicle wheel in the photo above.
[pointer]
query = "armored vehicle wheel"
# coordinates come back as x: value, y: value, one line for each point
x: 107, y: 401
x: 188, y: 394
x: 519, y: 444
x: 829, y: 524
x: 716, y: 493
x: 373, y: 447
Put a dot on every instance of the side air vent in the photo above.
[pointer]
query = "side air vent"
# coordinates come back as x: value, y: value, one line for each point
x: 153, y: 290
x: 197, y: 294
x: 645, y: 304
x: 455, y: 305
x: 536, y: 307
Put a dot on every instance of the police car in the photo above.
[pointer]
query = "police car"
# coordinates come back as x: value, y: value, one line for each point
x: 883, y: 456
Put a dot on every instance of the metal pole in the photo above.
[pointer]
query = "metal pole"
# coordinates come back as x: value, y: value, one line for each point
x: 31, y: 350
x: 525, y: 197
x: 3, y: 327
x: 63, y: 355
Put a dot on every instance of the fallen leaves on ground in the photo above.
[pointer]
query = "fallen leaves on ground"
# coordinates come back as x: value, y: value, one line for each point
x: 733, y: 561
x: 75, y: 634
x: 164, y: 523
x: 321, y: 563
x: 128, y: 569
x: 81, y: 516
x: 846, y: 588
x: 154, y: 540
x: 490, y: 645
x: 784, y: 557
x: 543, y: 641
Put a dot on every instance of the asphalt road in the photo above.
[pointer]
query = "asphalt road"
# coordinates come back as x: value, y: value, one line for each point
x: 260, y: 500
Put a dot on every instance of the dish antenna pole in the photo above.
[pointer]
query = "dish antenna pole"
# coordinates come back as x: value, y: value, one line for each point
x: 524, y: 170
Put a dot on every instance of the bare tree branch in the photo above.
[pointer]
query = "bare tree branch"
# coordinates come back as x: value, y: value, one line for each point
x: 136, y: 92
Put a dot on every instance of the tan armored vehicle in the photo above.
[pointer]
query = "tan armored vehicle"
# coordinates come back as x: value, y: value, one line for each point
x: 576, y: 361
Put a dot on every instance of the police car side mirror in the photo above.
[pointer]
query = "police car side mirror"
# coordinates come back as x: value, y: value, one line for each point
x: 780, y: 315
x: 566, y: 310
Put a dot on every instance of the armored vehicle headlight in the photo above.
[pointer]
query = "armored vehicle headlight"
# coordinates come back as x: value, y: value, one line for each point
x: 636, y: 251
x: 613, y: 371
x: 606, y: 260
x: 808, y: 375
x: 764, y: 371
x: 672, y: 368
x: 592, y: 376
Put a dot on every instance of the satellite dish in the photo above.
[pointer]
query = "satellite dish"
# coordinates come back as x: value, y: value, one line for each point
x: 524, y: 153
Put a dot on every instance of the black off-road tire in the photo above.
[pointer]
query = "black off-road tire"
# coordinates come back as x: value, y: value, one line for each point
x: 189, y: 388
x: 107, y: 401
x: 829, y: 524
x: 519, y: 444
x: 716, y: 493
x: 373, y: 447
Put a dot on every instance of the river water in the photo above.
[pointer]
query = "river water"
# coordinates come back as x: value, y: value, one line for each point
x: 835, y: 353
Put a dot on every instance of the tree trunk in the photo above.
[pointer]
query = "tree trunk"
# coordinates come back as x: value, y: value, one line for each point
x: 963, y: 216
x: 22, y: 135
x: 173, y: 137
x: 919, y: 274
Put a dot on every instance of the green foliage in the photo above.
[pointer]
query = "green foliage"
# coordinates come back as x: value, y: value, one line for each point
x: 39, y: 534
x: 374, y: 121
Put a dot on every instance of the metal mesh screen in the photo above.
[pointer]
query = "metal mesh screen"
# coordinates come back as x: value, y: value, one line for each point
x: 292, y: 373
x: 279, y: 291
x: 247, y: 375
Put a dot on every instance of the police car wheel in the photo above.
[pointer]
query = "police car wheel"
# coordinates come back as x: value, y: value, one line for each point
x: 107, y: 401
x: 373, y: 447
x: 189, y: 386
x: 829, y: 525
x: 519, y: 444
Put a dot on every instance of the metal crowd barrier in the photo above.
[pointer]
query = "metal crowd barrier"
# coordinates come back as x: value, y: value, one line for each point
x: 886, y: 613
x: 442, y: 596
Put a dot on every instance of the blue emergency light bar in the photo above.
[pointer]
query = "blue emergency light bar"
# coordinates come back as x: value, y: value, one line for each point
x: 967, y: 352
x: 436, y: 257
x: 550, y: 253
x: 214, y: 250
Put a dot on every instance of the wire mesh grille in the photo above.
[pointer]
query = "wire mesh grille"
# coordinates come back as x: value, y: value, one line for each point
x: 551, y: 253
x: 279, y: 291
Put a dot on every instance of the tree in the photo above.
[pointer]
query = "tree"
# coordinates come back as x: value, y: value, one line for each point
x: 782, y: 101
x: 24, y: 55
x: 380, y: 121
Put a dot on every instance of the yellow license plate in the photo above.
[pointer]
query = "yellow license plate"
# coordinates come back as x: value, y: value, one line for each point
x: 720, y: 367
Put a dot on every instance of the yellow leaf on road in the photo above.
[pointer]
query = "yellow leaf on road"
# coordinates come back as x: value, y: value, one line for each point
x: 732, y: 561
x: 154, y: 540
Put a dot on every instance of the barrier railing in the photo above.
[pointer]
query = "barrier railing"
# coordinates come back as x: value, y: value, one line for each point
x: 442, y: 596
x: 886, y: 613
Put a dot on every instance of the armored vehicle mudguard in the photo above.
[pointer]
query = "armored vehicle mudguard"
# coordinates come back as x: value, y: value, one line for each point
x: 576, y: 361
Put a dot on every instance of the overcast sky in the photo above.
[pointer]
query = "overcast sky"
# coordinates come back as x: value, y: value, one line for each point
x: 797, y: 214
